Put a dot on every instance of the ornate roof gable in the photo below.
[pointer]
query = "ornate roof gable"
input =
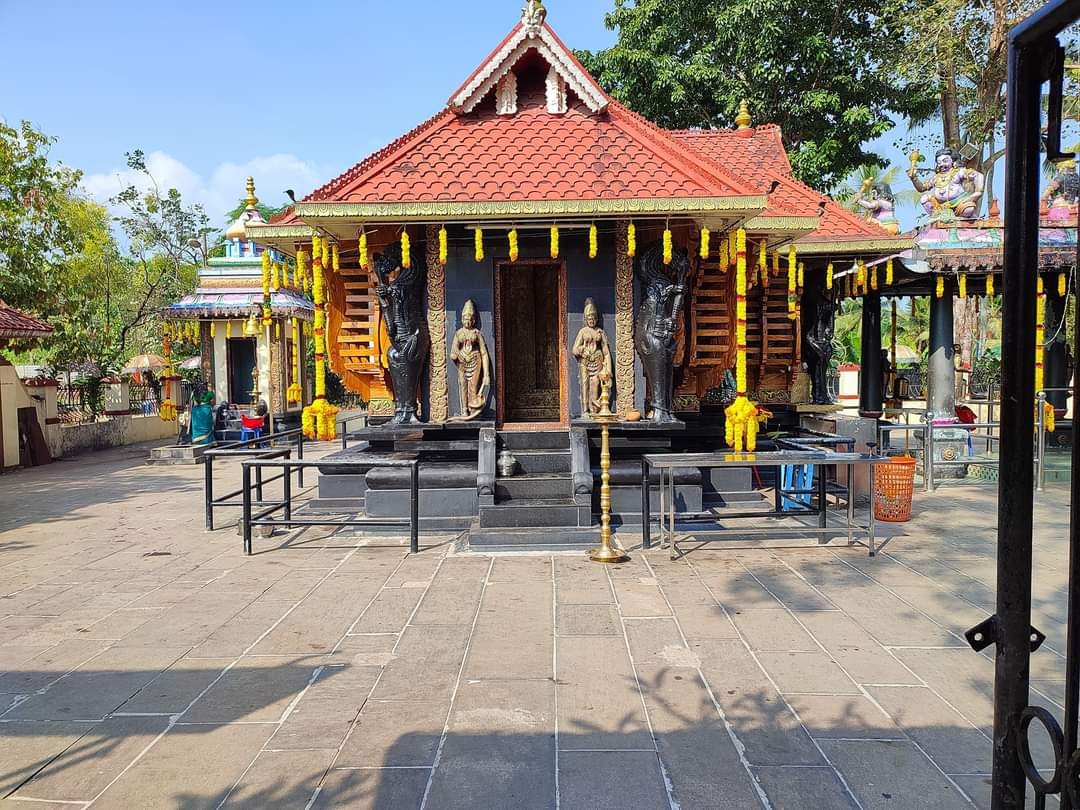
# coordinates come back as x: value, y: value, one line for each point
x: 531, y: 34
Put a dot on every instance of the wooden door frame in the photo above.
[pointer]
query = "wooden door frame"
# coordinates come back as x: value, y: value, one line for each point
x: 564, y: 387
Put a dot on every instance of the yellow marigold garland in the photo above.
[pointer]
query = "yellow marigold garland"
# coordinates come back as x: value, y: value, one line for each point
x: 742, y: 416
x: 319, y: 418
x: 1062, y: 285
x: 829, y: 276
x: 513, y: 236
x: 228, y: 329
x: 776, y: 263
x: 763, y: 262
x: 594, y: 246
x: 554, y: 246
x: 802, y: 275
x: 792, y: 279
x: 444, y: 248
x: 962, y: 285
x: 668, y: 247
x: 478, y: 244
x: 406, y: 250
x: 362, y: 244
x: 873, y: 278
x: 732, y: 248
x: 213, y: 331
x: 704, y: 251
x: 167, y: 409
x: 266, y: 287
x: 294, y: 392
x: 939, y: 291
x: 989, y: 283
x: 631, y: 240
x: 301, y: 269
x: 723, y: 255
x: 336, y: 259
x: 888, y: 272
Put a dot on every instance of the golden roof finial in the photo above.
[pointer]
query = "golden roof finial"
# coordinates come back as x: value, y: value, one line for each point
x: 743, y: 119
x: 251, y: 199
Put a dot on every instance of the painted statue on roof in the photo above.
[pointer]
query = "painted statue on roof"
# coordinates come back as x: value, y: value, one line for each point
x: 880, y: 206
x: 954, y: 192
x: 403, y: 313
x: 1062, y: 194
x: 662, y: 292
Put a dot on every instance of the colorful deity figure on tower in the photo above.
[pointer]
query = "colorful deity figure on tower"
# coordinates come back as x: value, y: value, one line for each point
x: 1062, y: 194
x: 469, y: 351
x: 955, y: 192
x: 880, y: 206
x: 594, y: 362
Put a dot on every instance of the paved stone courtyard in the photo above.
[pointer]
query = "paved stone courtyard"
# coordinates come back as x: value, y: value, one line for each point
x: 145, y: 663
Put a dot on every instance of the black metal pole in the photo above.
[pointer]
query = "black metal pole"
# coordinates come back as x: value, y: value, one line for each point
x: 300, y: 457
x: 208, y: 490
x: 646, y: 518
x: 246, y: 517
x: 1021, y: 254
x: 414, y: 514
x: 287, y: 491
x: 870, y: 382
x: 1072, y: 641
x: 258, y: 484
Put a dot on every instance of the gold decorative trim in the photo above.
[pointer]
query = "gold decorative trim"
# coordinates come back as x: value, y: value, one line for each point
x: 438, y: 390
x: 886, y: 245
x: 299, y: 232
x: 624, y: 321
x: 381, y: 407
x: 764, y: 222
x: 448, y: 211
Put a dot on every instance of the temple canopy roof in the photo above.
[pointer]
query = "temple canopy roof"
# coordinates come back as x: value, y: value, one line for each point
x: 17, y: 324
x: 531, y: 135
x: 208, y: 303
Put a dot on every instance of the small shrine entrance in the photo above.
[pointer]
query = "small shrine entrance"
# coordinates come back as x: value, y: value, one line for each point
x: 530, y: 302
x: 241, y: 360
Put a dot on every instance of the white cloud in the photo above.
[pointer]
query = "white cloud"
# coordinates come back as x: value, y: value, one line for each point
x: 224, y: 187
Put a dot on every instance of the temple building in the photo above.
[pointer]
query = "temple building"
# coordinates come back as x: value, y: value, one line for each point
x: 250, y: 317
x: 537, y: 253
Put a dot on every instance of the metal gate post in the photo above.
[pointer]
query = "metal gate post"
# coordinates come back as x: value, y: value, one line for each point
x: 1040, y: 439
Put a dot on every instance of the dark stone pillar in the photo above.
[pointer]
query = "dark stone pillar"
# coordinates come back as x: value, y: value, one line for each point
x: 941, y: 396
x: 1055, y: 368
x: 870, y: 379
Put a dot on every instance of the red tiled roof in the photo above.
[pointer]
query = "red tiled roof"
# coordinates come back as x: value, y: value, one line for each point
x: 760, y: 159
x: 16, y: 324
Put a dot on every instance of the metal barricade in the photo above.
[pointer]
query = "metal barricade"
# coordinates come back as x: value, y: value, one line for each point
x: 249, y: 448
x: 343, y: 427
x: 264, y: 516
x: 1040, y: 435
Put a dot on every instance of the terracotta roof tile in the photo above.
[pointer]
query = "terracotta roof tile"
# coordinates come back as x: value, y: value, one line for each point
x: 17, y: 324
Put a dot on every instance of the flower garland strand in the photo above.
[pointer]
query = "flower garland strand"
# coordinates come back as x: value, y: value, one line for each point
x: 301, y: 270
x: 723, y: 254
x: 742, y: 416
x: 362, y: 245
x: 554, y: 251
x: 704, y: 252
x: 829, y: 276
x: 763, y: 263
x: 631, y: 240
x: 792, y: 279
x: 888, y: 272
x: 776, y: 263
x: 1062, y: 285
x: 167, y: 410
x: 668, y: 248
x: 594, y: 247
x: 873, y: 278
x: 989, y: 284
x: 294, y: 392
x: 319, y: 419
x: 275, y: 276
x: 444, y: 249
x: 962, y: 285
x: 478, y: 244
x: 266, y: 287
x: 336, y: 258
x: 406, y: 249
x: 939, y: 292
x: 732, y: 248
x: 513, y: 237
x: 802, y: 275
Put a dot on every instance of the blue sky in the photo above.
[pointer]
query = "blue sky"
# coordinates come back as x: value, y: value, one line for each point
x: 292, y: 93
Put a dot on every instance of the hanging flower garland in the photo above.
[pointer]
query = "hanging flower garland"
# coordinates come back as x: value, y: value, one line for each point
x: 802, y: 275
x: 631, y: 240
x: 266, y: 287
x: 513, y: 237
x: 1063, y: 285
x: 301, y: 269
x: 594, y: 246
x: 275, y: 276
x: 732, y: 248
x: 763, y: 263
x: 554, y: 238
x: 861, y: 284
x: 962, y: 285
x: 668, y: 248
x: 888, y: 272
x: 939, y: 292
x: 848, y: 287
x: 362, y: 245
x: 319, y: 418
x: 336, y: 259
x: 228, y: 329
x: 989, y: 284
x: 723, y: 254
x: 167, y: 410
x: 776, y: 263
x: 829, y: 276
x: 213, y: 331
x: 873, y: 279
x: 742, y: 416
x: 478, y: 244
x: 792, y: 280
x: 704, y: 252
x: 444, y: 248
x: 406, y: 249
x: 294, y: 392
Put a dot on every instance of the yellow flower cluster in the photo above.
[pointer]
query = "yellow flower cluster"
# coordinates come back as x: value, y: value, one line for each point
x: 167, y: 409
x: 741, y: 423
x: 294, y: 392
x: 873, y: 279
x: 791, y: 284
x: 888, y: 272
x: 318, y: 419
x: 962, y: 285
x: 478, y: 244
x: 363, y: 250
x: 776, y: 263
x: 594, y: 247
x: 763, y: 263
x: 513, y: 244
x: 406, y: 250
x: 989, y: 283
x: 275, y: 276
x: 444, y: 248
x: 829, y: 276
x: 1048, y: 417
x: 668, y: 247
x: 704, y: 253
x: 631, y: 240
x: 723, y: 255
x: 1040, y: 337
x: 554, y: 241
x: 266, y: 287
x: 802, y: 275
x: 939, y: 292
x: 336, y: 259
x: 301, y: 268
x: 1063, y: 285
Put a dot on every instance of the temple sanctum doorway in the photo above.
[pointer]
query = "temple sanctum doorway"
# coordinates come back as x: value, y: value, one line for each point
x: 530, y: 302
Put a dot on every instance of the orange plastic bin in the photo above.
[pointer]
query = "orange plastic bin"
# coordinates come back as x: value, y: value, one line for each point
x: 893, y: 488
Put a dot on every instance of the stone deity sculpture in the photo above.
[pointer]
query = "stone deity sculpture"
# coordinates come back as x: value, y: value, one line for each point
x: 400, y: 299
x: 880, y: 206
x: 818, y: 344
x: 1063, y: 193
x: 594, y: 363
x: 469, y: 350
x: 954, y: 193
x: 663, y: 290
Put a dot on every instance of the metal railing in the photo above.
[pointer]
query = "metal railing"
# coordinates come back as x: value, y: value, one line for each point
x: 77, y: 404
x: 343, y: 427
x: 264, y: 516
x: 250, y: 448
x: 1040, y: 435
x: 142, y: 399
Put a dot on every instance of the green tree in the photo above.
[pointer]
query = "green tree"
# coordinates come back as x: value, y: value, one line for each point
x: 821, y: 70
x: 34, y: 233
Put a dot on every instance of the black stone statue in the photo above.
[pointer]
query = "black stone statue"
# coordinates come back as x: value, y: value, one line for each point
x: 403, y: 312
x: 662, y: 292
x: 819, y: 310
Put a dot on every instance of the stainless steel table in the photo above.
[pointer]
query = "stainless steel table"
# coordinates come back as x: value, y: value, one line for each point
x: 667, y: 463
